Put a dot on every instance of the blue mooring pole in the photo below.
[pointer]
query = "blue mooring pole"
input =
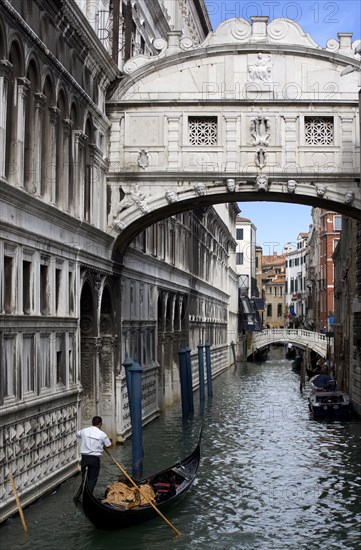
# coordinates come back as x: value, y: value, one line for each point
x: 127, y: 364
x: 183, y: 381
x: 189, y: 380
x: 136, y: 409
x: 201, y: 370
x: 209, y: 369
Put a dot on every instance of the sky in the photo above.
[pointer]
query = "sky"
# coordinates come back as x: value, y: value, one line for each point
x: 280, y: 223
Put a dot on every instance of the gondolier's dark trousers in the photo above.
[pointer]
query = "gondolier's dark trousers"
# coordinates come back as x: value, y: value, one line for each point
x: 91, y: 464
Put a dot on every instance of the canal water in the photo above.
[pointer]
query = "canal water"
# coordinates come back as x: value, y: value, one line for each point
x: 270, y: 477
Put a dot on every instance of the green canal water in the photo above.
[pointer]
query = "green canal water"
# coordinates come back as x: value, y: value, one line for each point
x: 270, y: 477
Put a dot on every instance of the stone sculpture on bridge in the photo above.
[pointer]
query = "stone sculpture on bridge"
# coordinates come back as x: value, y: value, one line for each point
x: 261, y: 70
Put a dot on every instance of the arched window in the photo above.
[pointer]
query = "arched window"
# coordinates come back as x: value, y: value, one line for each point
x: 11, y: 167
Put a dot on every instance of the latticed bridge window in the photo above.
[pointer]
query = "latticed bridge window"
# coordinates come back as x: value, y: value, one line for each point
x: 319, y: 130
x: 202, y: 130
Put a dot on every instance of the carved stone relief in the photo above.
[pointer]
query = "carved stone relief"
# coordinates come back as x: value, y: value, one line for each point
x: 260, y: 157
x: 231, y: 184
x: 291, y: 186
x: 320, y: 190
x: 349, y: 197
x: 143, y: 159
x: 260, y: 130
x: 200, y: 189
x: 262, y: 182
x: 261, y: 69
x: 39, y: 445
x: 171, y: 196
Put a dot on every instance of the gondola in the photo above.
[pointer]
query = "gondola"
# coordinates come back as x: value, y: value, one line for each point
x: 170, y: 486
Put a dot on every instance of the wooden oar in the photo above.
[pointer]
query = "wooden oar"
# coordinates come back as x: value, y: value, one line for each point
x: 143, y: 494
x: 18, y: 502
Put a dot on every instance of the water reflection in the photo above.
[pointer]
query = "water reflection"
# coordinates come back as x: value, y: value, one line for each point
x: 270, y: 476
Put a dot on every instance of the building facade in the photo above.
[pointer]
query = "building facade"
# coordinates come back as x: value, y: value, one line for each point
x: 296, y: 277
x: 323, y: 238
x: 68, y: 311
x: 246, y: 256
x: 272, y: 281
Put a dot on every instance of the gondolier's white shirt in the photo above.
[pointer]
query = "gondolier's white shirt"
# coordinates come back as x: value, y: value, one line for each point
x: 92, y: 441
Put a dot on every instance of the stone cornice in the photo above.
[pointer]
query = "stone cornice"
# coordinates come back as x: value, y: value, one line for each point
x: 88, y: 35
x: 141, y: 66
x: 193, y: 176
x: 166, y: 274
x: 171, y: 103
x: 18, y: 198
x: 29, y: 405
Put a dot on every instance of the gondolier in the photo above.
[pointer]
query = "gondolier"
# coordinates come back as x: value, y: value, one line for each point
x: 92, y: 442
x: 167, y: 488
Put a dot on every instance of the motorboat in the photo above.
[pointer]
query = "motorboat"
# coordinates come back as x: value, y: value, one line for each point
x: 329, y: 403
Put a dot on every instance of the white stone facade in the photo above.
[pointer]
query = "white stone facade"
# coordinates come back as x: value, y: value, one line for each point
x: 296, y: 278
x: 246, y: 256
x: 199, y: 114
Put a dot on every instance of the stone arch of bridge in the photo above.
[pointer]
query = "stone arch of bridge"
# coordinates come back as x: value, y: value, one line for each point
x: 137, y: 222
x: 299, y: 338
x: 258, y: 88
x: 320, y: 350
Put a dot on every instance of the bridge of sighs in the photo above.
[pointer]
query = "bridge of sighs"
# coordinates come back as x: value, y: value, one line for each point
x: 257, y: 112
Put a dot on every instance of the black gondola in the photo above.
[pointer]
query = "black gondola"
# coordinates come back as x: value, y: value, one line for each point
x: 170, y: 485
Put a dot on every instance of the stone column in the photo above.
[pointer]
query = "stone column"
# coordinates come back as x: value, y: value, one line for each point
x: 79, y: 140
x: 173, y: 142
x: 17, y: 173
x: 51, y: 171
x: 290, y: 141
x: 106, y: 380
x: 93, y: 186
x: 5, y: 68
x: 347, y: 143
x: 179, y: 312
x: 39, y: 103
x: 232, y: 161
x: 64, y: 192
x: 89, y: 351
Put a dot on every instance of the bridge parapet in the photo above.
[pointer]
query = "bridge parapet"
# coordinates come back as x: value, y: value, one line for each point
x: 300, y: 338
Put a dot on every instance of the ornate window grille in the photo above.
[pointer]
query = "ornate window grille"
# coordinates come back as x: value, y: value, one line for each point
x: 319, y: 130
x: 202, y: 130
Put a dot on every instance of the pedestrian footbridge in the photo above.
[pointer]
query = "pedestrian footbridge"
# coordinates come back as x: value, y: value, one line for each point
x: 298, y: 337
